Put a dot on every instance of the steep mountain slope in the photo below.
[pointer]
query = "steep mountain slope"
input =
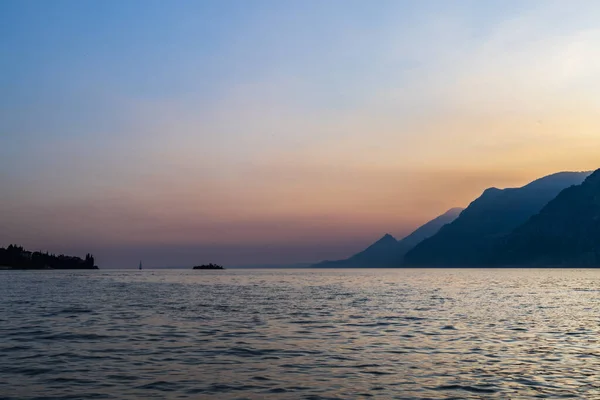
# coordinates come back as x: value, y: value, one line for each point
x: 430, y: 228
x: 387, y: 251
x: 566, y: 232
x: 383, y: 253
x: 470, y: 239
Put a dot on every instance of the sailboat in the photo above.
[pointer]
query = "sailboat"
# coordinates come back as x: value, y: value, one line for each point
x: 140, y: 267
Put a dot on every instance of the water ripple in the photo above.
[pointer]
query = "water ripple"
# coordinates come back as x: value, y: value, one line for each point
x: 405, y: 334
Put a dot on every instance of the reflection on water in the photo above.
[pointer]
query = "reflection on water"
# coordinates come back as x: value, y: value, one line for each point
x: 300, y: 334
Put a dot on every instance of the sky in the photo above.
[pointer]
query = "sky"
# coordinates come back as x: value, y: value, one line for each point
x: 277, y: 132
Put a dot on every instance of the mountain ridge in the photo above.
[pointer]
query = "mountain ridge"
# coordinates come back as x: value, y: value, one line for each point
x: 470, y: 239
x: 387, y: 252
x: 566, y: 232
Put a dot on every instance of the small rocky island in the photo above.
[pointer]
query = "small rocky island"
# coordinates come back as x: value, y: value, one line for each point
x: 208, y: 266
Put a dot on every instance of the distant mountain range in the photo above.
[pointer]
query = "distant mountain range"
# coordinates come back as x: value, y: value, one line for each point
x: 566, y: 232
x: 388, y: 252
x: 470, y: 240
x: 551, y: 221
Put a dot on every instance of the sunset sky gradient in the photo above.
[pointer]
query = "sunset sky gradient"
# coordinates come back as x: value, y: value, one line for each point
x: 268, y: 132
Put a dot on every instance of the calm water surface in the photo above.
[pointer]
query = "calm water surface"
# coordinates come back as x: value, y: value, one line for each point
x: 300, y: 334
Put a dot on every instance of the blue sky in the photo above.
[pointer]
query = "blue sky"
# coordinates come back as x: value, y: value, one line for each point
x: 257, y: 124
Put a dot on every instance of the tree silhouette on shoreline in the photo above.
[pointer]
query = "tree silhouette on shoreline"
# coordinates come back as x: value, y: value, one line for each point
x: 16, y: 257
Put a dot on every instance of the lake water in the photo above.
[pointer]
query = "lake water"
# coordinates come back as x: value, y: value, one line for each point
x: 300, y: 334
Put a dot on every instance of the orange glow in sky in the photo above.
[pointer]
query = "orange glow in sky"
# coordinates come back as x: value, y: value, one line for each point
x: 310, y: 143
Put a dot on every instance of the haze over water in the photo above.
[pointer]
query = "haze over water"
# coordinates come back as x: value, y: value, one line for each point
x: 278, y: 132
x: 308, y: 334
x: 285, y: 133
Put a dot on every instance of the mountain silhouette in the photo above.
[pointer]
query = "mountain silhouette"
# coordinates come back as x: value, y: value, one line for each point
x: 566, y: 232
x: 471, y: 238
x: 388, y: 252
x: 430, y: 228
